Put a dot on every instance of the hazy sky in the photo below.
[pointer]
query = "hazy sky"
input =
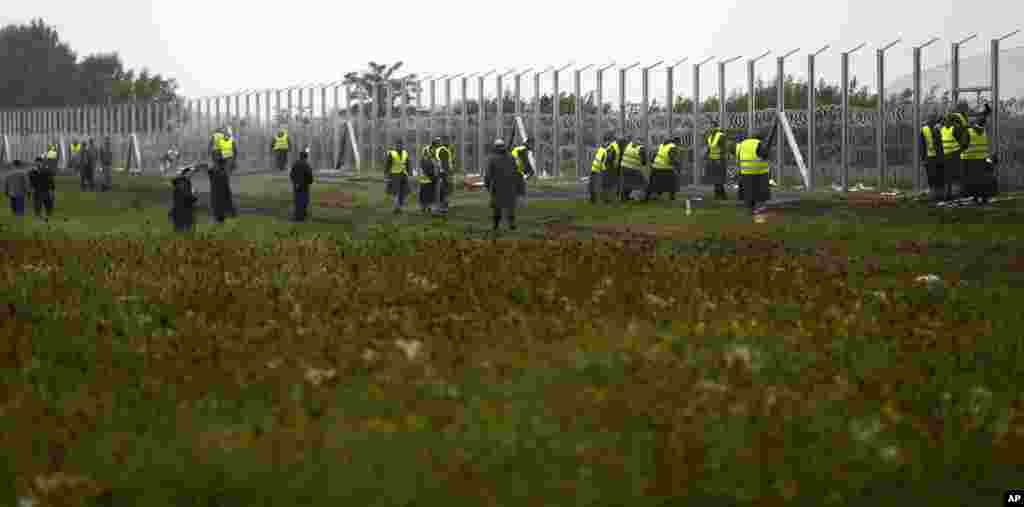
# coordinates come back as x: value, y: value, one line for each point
x: 222, y: 46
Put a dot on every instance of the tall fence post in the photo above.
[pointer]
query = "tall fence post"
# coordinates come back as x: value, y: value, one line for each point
x: 698, y: 166
x: 556, y: 117
x: 465, y: 123
x: 599, y: 100
x: 812, y: 115
x: 722, y: 122
x: 844, y: 142
x: 780, y: 105
x: 578, y: 106
x: 752, y: 95
x: 623, y: 83
x: 880, y: 125
x: 645, y: 106
x: 481, y: 132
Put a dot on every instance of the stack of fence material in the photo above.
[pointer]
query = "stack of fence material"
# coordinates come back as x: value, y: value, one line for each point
x: 473, y: 182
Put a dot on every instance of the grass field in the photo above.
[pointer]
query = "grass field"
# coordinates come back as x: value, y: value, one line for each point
x: 612, y: 355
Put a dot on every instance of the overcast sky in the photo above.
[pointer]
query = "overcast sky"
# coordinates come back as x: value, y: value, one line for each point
x: 227, y: 45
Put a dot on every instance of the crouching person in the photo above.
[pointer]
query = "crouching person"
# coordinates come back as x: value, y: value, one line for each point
x: 183, y: 206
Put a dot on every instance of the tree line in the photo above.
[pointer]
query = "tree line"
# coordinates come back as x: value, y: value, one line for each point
x: 41, y: 70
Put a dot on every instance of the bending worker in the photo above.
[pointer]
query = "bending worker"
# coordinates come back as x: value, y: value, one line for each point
x: 714, y: 154
x: 665, y: 171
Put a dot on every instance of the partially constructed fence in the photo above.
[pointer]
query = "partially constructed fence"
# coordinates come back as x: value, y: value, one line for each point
x: 838, y: 144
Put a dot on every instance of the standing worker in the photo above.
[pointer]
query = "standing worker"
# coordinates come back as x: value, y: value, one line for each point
x: 106, y: 165
x: 428, y: 177
x: 979, y: 177
x: 442, y: 156
x: 752, y: 155
x: 52, y: 158
x: 183, y: 201
x: 302, y: 178
x: 634, y: 159
x: 76, y: 160
x: 951, y: 133
x: 521, y: 154
x: 41, y: 180
x: 17, y: 187
x: 931, y: 154
x: 89, y: 158
x: 598, y: 172
x: 665, y: 171
x: 715, y: 154
x: 502, y: 181
x: 396, y: 162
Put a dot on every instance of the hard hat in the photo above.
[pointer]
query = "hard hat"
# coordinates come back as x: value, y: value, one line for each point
x: 499, y: 143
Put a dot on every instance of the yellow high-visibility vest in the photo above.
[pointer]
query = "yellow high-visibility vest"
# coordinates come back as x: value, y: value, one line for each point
x: 631, y: 157
x: 599, y: 166
x: 949, y: 143
x: 75, y: 148
x: 51, y: 154
x: 399, y: 162
x: 978, y: 149
x: 929, y: 141
x: 519, y: 163
x: 226, y: 147
x: 750, y: 163
x: 437, y: 155
x: 281, y: 142
x: 613, y: 147
x: 714, y: 145
x: 662, y: 161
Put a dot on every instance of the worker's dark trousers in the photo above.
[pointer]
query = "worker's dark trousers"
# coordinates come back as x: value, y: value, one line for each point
x: 281, y: 159
x: 933, y: 170
x: 301, y: 204
x: 952, y: 173
x: 43, y: 200
x: 510, y: 216
x: 596, y: 187
x: 229, y: 198
x: 18, y: 205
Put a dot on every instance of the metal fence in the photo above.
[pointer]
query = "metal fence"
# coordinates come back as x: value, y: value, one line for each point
x: 839, y: 143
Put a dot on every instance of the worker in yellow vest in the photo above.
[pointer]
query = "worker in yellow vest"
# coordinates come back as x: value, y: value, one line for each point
x: 214, y: 148
x: 524, y: 167
x: 633, y: 161
x: 52, y: 157
x: 442, y: 155
x: 427, y: 176
x: 931, y: 154
x: 715, y: 155
x: 950, y: 134
x: 665, y: 170
x: 752, y: 157
x: 613, y: 172
x: 979, y: 175
x: 280, y: 147
x: 396, y: 162
x: 76, y: 161
x: 221, y: 198
x: 598, y: 171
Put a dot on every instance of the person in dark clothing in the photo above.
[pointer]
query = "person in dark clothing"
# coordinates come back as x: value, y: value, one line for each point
x: 16, y: 187
x: 302, y: 178
x: 106, y: 165
x: 752, y: 155
x: 428, y: 177
x: 89, y: 158
x: 715, y: 155
x: 634, y: 159
x: 502, y: 180
x: 442, y: 156
x: 665, y: 171
x: 951, y: 133
x: 43, y: 188
x: 932, y: 155
x: 182, y: 212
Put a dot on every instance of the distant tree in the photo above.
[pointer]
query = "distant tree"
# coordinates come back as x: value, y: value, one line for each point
x: 377, y: 85
x: 42, y: 71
